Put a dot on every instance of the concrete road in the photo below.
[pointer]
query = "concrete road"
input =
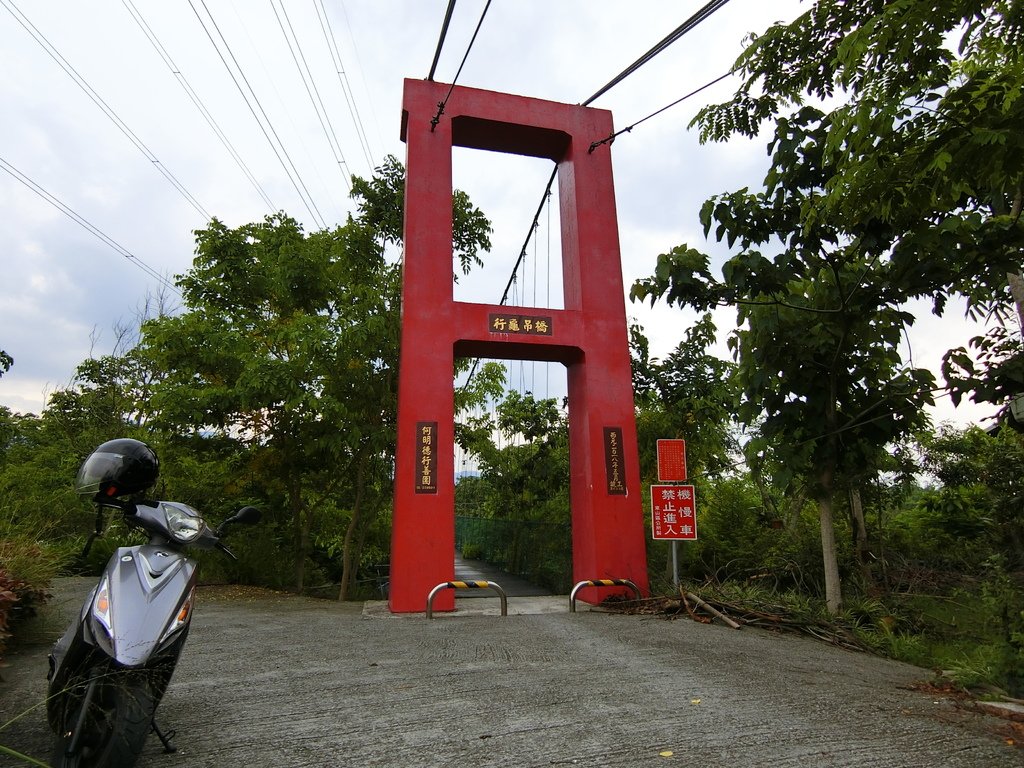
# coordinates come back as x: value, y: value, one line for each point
x: 279, y: 681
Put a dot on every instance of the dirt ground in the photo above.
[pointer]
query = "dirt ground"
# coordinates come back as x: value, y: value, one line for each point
x: 275, y: 680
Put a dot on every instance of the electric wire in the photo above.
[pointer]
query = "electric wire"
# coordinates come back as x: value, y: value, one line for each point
x: 533, y: 303
x: 533, y: 228
x: 346, y: 86
x: 687, y: 26
x: 259, y: 49
x: 855, y: 422
x: 85, y: 224
x: 265, y: 124
x: 107, y: 110
x: 547, y: 366
x: 312, y: 91
x: 362, y: 77
x: 441, y: 105
x: 197, y: 101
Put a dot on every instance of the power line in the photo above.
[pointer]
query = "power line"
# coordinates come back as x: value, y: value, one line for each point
x: 85, y: 224
x: 275, y: 143
x: 183, y: 81
x: 529, y: 235
x: 611, y: 137
x: 855, y: 422
x: 346, y: 87
x: 677, y: 33
x: 313, y: 92
x: 672, y: 37
x: 99, y: 102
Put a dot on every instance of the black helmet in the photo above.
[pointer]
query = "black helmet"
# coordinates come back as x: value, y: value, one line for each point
x: 118, y: 467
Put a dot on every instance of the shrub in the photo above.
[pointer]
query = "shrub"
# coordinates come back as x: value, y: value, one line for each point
x: 24, y: 578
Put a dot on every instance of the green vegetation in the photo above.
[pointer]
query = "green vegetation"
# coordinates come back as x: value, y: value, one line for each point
x: 896, y: 174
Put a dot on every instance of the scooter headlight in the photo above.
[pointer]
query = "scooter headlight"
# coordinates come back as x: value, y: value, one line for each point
x: 182, y: 523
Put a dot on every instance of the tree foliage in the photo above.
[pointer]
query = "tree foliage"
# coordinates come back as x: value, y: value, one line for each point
x: 976, y: 509
x: 905, y: 183
x: 517, y: 514
x: 924, y: 146
x: 819, y: 322
x: 290, y: 345
x: 690, y: 394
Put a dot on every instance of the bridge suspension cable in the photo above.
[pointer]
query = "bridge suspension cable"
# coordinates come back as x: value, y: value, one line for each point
x: 440, y: 107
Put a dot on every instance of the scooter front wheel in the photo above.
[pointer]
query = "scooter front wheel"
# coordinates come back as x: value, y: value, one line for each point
x: 107, y: 725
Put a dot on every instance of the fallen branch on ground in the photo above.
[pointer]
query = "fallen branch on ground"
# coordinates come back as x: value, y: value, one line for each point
x: 777, y: 618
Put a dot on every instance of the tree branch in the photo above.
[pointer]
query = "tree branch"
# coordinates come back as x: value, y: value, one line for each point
x: 780, y: 303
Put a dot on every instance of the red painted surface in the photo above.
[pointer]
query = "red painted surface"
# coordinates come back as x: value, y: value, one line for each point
x: 671, y: 460
x: 589, y: 336
x: 674, y: 512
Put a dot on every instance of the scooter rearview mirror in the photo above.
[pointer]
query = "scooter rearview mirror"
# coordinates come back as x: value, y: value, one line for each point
x: 246, y: 516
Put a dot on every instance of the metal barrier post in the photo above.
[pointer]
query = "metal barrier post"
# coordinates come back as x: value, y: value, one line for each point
x: 466, y: 585
x: 602, y: 583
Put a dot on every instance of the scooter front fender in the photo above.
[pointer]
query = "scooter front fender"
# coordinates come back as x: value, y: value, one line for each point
x: 148, y: 604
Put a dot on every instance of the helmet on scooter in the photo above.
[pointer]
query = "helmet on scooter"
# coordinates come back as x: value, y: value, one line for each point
x: 118, y: 467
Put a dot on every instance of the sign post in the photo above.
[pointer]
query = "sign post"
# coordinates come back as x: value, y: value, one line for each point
x: 674, y: 518
x: 672, y: 469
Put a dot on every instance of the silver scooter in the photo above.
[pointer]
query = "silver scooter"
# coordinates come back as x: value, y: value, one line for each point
x: 112, y: 666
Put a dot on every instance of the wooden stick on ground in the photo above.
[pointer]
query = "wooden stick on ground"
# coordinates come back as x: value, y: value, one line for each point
x: 689, y: 609
x: 714, y: 611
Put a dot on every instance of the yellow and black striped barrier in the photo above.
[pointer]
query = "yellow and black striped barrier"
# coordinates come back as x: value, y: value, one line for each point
x: 466, y: 585
x: 602, y: 583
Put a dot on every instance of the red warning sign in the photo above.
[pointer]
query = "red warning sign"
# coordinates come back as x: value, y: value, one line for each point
x: 673, y: 512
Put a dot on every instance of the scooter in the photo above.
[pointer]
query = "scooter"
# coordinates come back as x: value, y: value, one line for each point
x: 112, y: 666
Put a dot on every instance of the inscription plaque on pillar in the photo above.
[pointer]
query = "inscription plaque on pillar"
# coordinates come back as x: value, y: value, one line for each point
x: 613, y: 455
x: 426, y: 457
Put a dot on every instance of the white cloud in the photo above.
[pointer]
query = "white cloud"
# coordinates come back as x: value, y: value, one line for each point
x: 61, y: 285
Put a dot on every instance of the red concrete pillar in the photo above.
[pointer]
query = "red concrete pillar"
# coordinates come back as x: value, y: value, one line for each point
x: 589, y: 336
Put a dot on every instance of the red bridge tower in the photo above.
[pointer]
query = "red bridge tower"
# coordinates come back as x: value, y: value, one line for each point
x: 588, y: 336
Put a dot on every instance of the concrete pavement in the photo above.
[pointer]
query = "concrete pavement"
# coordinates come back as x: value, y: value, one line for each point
x: 275, y: 680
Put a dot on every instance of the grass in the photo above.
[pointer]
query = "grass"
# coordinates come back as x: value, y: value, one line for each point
x: 960, y: 633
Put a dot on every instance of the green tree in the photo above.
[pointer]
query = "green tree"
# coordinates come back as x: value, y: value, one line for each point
x: 289, y: 343
x: 925, y: 146
x: 977, y: 504
x: 819, y: 322
x: 910, y: 187
x: 6, y: 361
x: 529, y: 474
x: 690, y: 395
x: 523, y: 492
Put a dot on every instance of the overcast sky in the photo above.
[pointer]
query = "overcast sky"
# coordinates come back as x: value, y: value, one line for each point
x: 100, y: 114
